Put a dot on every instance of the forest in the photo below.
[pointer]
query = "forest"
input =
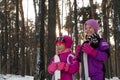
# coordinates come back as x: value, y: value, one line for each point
x: 26, y: 45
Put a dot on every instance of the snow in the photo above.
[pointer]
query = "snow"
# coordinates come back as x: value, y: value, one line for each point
x: 114, y: 78
x: 19, y: 77
x: 15, y: 77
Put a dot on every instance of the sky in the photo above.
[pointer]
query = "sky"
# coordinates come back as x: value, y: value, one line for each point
x: 65, y: 10
x: 28, y: 6
x: 29, y: 10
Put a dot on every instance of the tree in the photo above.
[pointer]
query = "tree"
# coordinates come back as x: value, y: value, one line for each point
x: 58, y: 17
x: 51, y: 30
x: 5, y: 40
x: 40, y: 66
x: 116, y: 20
x: 75, y: 18
x: 106, y: 31
x: 2, y: 24
x: 16, y: 44
x: 92, y: 8
x: 23, y: 45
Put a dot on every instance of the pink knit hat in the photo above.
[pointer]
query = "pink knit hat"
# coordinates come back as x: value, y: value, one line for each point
x: 93, y: 23
x: 66, y: 39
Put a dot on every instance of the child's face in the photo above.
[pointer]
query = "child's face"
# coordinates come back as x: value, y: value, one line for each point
x: 60, y: 47
x: 89, y: 30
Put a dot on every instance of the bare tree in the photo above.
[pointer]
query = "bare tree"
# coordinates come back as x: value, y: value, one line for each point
x: 58, y: 17
x: 23, y: 44
x: 16, y: 45
x: 2, y: 25
x: 51, y: 30
x: 40, y: 66
x: 106, y: 30
x: 75, y: 18
x: 116, y: 8
x: 92, y: 8
x: 5, y: 40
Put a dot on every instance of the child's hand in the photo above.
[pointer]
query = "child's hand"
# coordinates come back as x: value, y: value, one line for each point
x: 88, y: 49
x: 77, y: 49
x: 52, y: 68
x: 60, y: 65
x: 63, y: 66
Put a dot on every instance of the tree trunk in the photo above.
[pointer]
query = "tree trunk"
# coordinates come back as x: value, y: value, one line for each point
x: 2, y: 24
x: 109, y: 61
x: 58, y: 18
x: 116, y: 8
x: 23, y: 61
x: 106, y: 32
x: 51, y: 30
x: 16, y: 45
x: 75, y: 18
x: 76, y: 29
x: 92, y: 8
x: 5, y: 42
x: 40, y: 66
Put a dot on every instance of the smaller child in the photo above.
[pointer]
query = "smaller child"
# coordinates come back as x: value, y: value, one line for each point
x: 68, y: 64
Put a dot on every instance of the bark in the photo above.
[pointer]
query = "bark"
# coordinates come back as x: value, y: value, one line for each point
x: 116, y: 8
x: 51, y: 30
x: 40, y: 66
x: 92, y: 8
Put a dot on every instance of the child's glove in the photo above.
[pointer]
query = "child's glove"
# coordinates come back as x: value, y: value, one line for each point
x: 94, y: 38
x: 52, y: 67
x: 88, y: 49
x: 62, y: 66
x: 78, y: 47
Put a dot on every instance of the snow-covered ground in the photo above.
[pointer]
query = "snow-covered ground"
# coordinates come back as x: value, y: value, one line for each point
x: 18, y: 77
x: 114, y: 78
x: 15, y: 77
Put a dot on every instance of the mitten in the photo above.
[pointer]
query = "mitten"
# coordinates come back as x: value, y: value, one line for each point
x: 52, y: 67
x: 94, y: 40
x: 77, y: 49
x: 88, y: 49
x: 62, y: 66
x: 66, y: 68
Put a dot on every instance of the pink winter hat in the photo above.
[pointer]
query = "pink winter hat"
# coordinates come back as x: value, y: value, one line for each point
x: 93, y: 23
x: 66, y: 39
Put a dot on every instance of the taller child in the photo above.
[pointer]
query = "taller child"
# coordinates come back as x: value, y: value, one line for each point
x: 96, y: 48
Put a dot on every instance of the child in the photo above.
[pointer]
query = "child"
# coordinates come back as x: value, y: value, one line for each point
x: 96, y: 48
x: 68, y: 64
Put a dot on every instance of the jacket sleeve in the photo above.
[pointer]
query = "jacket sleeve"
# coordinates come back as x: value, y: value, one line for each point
x: 73, y: 64
x: 103, y: 51
x: 51, y: 61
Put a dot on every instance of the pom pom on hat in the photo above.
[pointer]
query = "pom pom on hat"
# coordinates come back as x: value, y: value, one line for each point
x: 93, y: 23
x: 66, y: 39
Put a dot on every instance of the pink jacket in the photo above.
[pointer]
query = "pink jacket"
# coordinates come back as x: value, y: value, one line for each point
x: 69, y: 58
